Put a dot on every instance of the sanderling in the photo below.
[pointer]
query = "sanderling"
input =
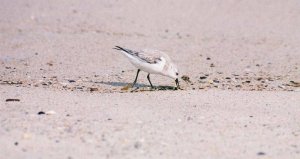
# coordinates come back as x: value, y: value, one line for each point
x: 152, y: 62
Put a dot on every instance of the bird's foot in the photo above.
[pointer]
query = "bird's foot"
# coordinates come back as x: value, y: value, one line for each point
x: 128, y: 86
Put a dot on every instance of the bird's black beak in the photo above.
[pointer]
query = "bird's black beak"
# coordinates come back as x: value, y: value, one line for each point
x: 177, y: 83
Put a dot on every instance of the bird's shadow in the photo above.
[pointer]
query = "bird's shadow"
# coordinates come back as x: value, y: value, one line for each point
x: 120, y: 84
x: 137, y: 85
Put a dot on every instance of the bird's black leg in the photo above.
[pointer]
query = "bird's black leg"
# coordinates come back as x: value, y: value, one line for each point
x: 148, y: 77
x: 137, y: 74
x: 177, y: 83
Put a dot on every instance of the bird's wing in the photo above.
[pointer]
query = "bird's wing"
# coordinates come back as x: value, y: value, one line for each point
x: 149, y: 56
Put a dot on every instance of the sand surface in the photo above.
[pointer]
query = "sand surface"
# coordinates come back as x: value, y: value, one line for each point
x: 242, y: 99
x: 185, y: 124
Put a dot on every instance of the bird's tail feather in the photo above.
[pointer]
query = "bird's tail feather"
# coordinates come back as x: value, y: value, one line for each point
x: 123, y: 49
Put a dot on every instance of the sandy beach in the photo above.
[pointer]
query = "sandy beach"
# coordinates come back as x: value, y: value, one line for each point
x: 63, y: 88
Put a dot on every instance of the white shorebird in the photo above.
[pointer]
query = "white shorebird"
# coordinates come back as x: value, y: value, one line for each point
x: 152, y: 62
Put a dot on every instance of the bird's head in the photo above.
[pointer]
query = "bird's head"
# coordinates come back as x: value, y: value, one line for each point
x: 172, y: 72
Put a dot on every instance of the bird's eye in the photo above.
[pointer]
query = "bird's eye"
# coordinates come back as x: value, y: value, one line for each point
x: 177, y: 73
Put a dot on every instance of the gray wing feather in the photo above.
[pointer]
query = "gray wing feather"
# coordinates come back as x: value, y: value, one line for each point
x: 146, y: 56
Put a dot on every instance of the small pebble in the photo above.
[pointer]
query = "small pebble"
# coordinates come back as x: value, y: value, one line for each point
x: 71, y: 81
x: 295, y: 84
x: 51, y: 112
x: 261, y: 153
x: 259, y: 78
x: 41, y: 113
x: 216, y: 81
x: 49, y: 63
x: 137, y: 145
x: 186, y: 78
x: 26, y: 136
x: 93, y: 89
x: 12, y: 100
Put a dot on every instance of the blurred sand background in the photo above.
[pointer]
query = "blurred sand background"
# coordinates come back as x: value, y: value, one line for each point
x: 242, y: 58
